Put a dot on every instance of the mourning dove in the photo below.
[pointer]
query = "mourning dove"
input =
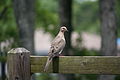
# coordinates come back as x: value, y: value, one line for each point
x: 57, y: 46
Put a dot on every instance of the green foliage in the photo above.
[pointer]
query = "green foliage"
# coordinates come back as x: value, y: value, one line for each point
x: 86, y: 16
x: 44, y: 76
x: 2, y: 59
x: 7, y: 22
x: 117, y: 77
x: 8, y: 27
x: 46, y: 15
x: 117, y: 7
x: 86, y: 77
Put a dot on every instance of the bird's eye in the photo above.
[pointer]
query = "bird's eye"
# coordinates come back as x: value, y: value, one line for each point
x: 63, y: 28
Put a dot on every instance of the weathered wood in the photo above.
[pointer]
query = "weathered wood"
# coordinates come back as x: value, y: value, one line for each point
x: 18, y: 64
x: 55, y: 65
x: 79, y: 64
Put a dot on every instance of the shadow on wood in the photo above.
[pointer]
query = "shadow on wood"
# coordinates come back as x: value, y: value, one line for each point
x: 56, y: 65
x: 78, y: 64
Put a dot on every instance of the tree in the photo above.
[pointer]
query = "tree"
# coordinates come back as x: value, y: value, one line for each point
x: 118, y: 16
x: 24, y: 14
x: 65, y: 13
x: 108, y: 31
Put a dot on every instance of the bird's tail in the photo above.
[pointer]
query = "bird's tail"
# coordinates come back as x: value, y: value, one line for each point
x: 47, y: 63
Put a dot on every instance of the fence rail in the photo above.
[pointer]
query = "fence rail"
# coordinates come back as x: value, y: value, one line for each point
x: 21, y: 65
x: 78, y: 64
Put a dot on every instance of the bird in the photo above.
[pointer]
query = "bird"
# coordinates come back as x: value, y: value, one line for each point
x: 57, y: 46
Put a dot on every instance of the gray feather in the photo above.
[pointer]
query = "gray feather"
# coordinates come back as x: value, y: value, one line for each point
x: 56, y: 48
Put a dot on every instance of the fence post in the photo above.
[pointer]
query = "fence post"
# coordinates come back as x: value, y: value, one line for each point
x: 18, y: 64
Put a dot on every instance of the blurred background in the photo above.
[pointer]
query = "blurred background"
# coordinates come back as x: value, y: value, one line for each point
x: 94, y: 30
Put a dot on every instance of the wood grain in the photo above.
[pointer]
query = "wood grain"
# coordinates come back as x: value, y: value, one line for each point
x: 18, y: 64
x: 78, y: 64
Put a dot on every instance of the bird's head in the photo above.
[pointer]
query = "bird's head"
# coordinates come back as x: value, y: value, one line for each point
x: 63, y: 29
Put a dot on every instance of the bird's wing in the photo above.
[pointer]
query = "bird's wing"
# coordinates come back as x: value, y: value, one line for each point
x: 56, y: 39
x: 56, y: 47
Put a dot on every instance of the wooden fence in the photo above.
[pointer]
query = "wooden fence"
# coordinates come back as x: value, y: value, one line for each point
x: 20, y: 65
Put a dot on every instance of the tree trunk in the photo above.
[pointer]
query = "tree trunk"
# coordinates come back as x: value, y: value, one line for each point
x: 65, y: 13
x: 108, y: 32
x: 108, y: 27
x: 24, y: 14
